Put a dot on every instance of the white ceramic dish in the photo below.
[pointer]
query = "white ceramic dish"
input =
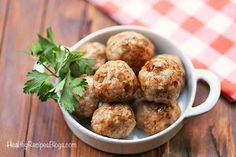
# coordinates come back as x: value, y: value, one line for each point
x: 138, y: 141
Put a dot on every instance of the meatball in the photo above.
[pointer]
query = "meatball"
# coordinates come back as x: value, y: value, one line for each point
x: 96, y: 51
x: 154, y: 117
x: 162, y: 78
x: 131, y: 47
x: 88, y: 103
x: 115, y: 81
x: 113, y: 120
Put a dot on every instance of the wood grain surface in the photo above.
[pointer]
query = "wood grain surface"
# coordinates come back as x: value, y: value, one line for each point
x: 24, y: 118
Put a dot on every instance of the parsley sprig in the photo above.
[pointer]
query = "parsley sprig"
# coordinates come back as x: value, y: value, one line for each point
x: 62, y: 64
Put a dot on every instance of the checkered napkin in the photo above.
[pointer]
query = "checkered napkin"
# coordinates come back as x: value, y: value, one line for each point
x: 204, y: 30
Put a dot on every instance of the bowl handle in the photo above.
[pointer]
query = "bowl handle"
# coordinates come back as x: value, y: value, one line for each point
x: 213, y: 96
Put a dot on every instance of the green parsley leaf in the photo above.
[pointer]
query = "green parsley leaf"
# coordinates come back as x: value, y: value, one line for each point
x: 67, y: 98
x: 35, y: 49
x: 59, y: 86
x: 39, y: 83
x: 59, y: 62
x: 82, y: 66
x: 50, y: 34
x: 78, y: 86
x: 36, y: 79
x: 45, y: 43
x: 72, y: 57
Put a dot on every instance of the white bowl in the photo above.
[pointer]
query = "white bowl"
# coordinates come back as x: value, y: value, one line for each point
x: 138, y: 141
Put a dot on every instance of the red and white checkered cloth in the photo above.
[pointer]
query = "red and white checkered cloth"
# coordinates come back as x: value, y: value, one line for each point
x: 204, y: 30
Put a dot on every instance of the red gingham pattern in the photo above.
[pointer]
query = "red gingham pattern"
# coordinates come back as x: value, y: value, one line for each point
x: 204, y: 30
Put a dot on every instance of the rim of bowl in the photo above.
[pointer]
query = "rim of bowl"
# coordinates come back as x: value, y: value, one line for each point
x: 150, y: 137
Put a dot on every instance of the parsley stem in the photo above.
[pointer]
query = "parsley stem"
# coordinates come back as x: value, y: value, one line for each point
x: 50, y: 70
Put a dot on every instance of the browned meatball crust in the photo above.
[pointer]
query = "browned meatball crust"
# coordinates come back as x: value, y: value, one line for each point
x: 96, y: 51
x: 115, y: 81
x: 162, y: 78
x: 113, y: 120
x: 131, y: 47
x: 88, y: 103
x: 152, y: 117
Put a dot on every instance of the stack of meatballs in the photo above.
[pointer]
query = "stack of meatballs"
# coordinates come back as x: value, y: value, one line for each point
x: 130, y: 86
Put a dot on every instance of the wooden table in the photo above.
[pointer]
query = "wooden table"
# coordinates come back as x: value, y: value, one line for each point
x: 24, y: 118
